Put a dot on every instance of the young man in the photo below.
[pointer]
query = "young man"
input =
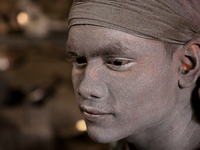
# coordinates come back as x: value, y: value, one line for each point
x: 135, y: 66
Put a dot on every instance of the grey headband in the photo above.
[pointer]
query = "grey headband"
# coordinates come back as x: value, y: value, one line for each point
x: 174, y: 21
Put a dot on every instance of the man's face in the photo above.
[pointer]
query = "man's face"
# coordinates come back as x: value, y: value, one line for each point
x: 124, y: 84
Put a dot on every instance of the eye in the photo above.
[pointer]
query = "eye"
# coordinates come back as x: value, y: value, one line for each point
x: 79, y: 61
x: 119, y: 64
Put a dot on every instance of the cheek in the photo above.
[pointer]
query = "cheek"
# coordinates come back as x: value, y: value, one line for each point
x: 142, y: 95
x: 77, y: 77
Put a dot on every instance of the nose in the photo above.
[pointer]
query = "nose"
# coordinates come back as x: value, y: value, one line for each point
x: 92, y: 86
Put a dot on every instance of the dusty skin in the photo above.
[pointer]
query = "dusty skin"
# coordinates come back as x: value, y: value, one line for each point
x: 128, y: 87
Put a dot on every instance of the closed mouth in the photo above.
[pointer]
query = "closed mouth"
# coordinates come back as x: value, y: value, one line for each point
x: 93, y: 111
x: 93, y: 114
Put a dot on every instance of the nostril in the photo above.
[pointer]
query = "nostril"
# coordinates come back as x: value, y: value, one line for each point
x: 88, y: 96
x: 93, y: 96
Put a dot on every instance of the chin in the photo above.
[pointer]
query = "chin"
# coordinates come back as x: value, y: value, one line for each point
x: 102, y: 135
x: 100, y: 138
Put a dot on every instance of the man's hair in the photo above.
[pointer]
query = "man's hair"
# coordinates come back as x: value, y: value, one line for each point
x: 170, y: 48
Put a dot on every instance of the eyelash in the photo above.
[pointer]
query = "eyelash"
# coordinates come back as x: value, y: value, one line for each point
x: 119, y: 64
x: 79, y: 61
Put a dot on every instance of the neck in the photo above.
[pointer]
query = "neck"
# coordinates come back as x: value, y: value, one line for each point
x: 180, y: 132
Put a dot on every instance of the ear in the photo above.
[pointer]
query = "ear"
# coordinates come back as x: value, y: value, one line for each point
x: 190, y: 64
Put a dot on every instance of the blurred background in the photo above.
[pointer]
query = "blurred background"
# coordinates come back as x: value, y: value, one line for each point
x: 38, y: 108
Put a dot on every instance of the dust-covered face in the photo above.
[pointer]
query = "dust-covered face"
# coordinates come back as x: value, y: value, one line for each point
x: 124, y: 84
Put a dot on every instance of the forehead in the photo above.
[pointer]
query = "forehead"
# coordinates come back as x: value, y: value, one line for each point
x: 86, y: 39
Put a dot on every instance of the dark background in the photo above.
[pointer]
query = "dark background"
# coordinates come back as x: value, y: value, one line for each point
x: 38, y: 106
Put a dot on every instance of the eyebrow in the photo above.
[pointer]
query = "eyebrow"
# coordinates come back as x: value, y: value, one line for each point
x: 113, y: 48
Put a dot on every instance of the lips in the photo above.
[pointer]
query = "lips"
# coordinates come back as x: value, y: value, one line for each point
x: 93, y: 114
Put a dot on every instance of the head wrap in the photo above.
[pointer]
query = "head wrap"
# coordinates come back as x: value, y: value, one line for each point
x: 174, y: 21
